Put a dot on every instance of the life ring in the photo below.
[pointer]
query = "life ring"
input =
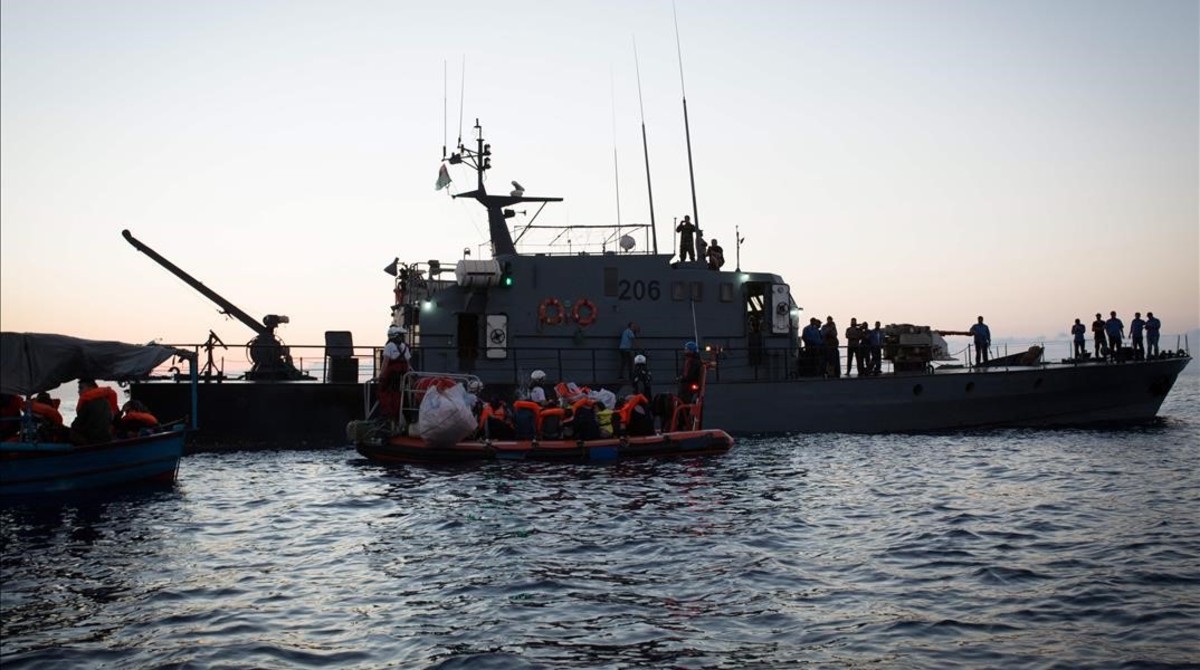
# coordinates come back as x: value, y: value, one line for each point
x: 551, y: 312
x: 581, y: 305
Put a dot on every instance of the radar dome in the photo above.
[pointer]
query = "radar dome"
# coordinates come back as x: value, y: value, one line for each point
x: 627, y: 242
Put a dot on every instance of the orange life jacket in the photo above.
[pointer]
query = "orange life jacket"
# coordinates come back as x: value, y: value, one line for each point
x: 140, y: 419
x: 490, y: 412
x: 627, y: 409
x: 99, y: 392
x: 45, y: 412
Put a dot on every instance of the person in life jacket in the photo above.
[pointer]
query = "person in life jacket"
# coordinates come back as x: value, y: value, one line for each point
x: 635, y: 416
x: 689, y: 381
x: 94, y: 414
x: 495, y: 421
x: 134, y: 419
x: 48, y: 422
x: 396, y: 357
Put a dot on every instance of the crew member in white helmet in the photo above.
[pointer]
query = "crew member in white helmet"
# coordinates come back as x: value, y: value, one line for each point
x: 537, y: 389
x: 396, y: 357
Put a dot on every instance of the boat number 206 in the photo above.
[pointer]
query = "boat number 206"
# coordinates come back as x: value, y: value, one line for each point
x: 638, y: 290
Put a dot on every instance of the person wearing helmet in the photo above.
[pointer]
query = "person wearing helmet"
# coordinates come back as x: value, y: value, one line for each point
x: 689, y: 381
x: 537, y: 389
x: 641, y: 377
x: 396, y: 357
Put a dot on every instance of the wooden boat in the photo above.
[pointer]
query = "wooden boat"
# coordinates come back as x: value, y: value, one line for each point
x: 35, y: 469
x: 33, y: 466
x: 386, y: 439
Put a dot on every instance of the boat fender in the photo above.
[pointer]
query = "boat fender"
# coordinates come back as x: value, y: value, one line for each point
x: 584, y: 319
x: 551, y: 312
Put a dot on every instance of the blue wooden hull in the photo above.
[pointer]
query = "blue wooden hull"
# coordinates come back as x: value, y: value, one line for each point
x: 50, y: 468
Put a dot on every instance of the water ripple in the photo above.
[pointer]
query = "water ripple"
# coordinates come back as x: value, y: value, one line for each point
x: 1010, y: 548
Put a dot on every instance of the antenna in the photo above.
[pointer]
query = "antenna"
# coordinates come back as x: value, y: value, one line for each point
x: 461, y: 97
x: 445, y: 114
x: 738, y: 239
x: 616, y: 171
x: 687, y: 131
x: 645, y: 147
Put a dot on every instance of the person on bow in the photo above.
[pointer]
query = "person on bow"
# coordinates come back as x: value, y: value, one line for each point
x: 1101, y: 345
x: 1115, y: 329
x: 1077, y: 332
x: 983, y: 341
x: 1135, y: 336
x: 1153, y: 325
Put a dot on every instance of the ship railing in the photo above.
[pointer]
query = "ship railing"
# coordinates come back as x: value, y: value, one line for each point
x: 584, y: 365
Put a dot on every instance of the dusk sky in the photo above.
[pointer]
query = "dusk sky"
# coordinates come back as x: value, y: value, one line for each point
x: 912, y: 162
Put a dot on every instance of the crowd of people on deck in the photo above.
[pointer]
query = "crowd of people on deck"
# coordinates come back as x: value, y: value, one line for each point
x: 819, y: 348
x: 1109, y: 335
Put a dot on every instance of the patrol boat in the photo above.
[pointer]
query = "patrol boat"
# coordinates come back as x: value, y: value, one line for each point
x: 562, y: 311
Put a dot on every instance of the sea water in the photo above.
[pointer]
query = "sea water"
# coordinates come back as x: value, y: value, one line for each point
x: 1015, y: 548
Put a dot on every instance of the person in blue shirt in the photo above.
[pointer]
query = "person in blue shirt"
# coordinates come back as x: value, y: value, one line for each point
x: 626, y: 349
x: 1152, y: 327
x: 1078, y: 330
x: 812, y: 358
x: 1115, y: 330
x: 1135, y: 336
x: 875, y: 343
x: 983, y: 341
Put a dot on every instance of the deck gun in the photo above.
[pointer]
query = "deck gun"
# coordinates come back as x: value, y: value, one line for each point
x: 271, y: 359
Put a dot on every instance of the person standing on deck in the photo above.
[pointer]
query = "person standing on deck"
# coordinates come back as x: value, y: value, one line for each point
x: 1078, y: 331
x: 853, y: 346
x: 715, y: 255
x: 875, y: 341
x: 1135, y: 336
x: 396, y: 357
x: 1153, y: 325
x: 831, y: 366
x: 687, y: 243
x: 1098, y: 335
x: 1115, y: 330
x: 641, y: 377
x: 983, y: 341
x: 626, y: 349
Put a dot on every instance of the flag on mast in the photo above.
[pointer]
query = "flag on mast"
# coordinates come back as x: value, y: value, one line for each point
x: 443, y: 179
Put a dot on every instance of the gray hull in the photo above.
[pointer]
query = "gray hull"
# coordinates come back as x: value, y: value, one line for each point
x: 1051, y: 395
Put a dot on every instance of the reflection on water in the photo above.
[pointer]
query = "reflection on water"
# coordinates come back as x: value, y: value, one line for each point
x: 1016, y: 548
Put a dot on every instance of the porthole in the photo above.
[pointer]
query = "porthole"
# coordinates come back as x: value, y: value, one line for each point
x: 917, y: 389
x: 970, y: 386
x: 1037, y: 383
